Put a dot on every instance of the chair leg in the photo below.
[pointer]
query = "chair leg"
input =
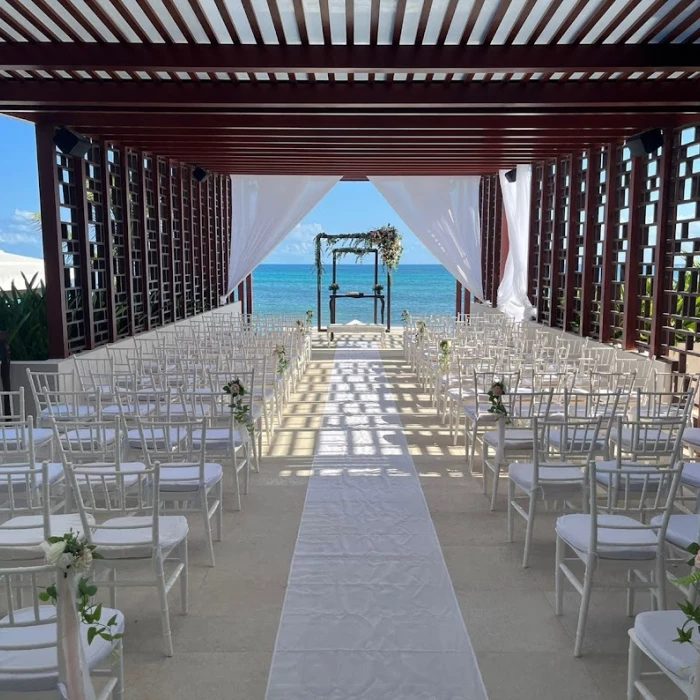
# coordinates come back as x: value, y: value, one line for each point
x: 204, y: 504
x: 184, y: 579
x: 559, y: 577
x: 661, y: 581
x: 528, y: 530
x: 583, y: 612
x: 630, y: 593
x: 634, y: 669
x: 246, y: 473
x: 113, y: 588
x: 118, y: 670
x: 511, y: 498
x: 496, y: 478
x: 220, y: 510
x: 163, y: 599
x: 236, y: 484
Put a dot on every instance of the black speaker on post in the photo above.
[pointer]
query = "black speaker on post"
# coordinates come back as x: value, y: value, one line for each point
x: 70, y: 143
x: 512, y: 175
x: 200, y: 174
x: 643, y: 144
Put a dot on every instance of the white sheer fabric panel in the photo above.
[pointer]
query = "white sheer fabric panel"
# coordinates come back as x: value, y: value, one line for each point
x: 265, y: 209
x: 443, y: 213
x: 512, y: 292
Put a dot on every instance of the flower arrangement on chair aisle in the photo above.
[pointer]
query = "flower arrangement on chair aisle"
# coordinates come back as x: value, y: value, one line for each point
x: 496, y: 394
x: 282, y: 361
x: 445, y: 355
x: 239, y: 410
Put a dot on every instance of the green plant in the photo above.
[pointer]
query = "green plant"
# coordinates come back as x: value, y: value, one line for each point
x: 23, y: 316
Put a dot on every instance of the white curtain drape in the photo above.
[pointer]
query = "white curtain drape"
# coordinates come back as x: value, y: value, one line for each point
x: 512, y: 292
x: 265, y: 209
x: 443, y: 213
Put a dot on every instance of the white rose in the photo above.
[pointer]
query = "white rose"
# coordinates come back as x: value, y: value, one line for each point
x: 53, y: 551
x: 65, y: 561
x: 83, y: 562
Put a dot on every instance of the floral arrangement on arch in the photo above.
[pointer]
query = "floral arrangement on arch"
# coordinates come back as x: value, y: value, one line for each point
x: 496, y: 394
x: 388, y: 241
x: 239, y: 410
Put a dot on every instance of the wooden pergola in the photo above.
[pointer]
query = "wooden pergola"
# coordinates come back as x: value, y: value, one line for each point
x: 376, y: 87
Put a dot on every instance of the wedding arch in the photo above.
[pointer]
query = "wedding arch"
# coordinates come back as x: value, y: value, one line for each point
x: 383, y: 243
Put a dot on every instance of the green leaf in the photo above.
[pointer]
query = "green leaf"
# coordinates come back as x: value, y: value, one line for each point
x: 97, y: 555
x: 92, y: 590
x: 45, y: 597
x: 112, y: 621
x: 54, y: 540
x: 694, y: 548
x: 91, y: 634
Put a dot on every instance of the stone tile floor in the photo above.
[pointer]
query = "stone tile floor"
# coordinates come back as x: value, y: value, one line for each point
x: 223, y: 648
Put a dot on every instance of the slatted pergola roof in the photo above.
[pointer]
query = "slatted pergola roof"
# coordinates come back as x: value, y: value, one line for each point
x: 352, y: 86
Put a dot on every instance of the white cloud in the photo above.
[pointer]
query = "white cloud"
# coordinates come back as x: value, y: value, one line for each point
x: 298, y: 246
x: 20, y: 232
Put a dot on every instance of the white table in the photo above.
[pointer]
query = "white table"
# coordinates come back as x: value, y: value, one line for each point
x: 355, y: 329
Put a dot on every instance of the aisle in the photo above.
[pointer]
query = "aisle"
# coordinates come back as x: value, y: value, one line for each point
x: 370, y: 611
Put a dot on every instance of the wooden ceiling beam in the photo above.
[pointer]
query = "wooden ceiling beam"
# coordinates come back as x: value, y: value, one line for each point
x: 675, y: 94
x: 223, y: 58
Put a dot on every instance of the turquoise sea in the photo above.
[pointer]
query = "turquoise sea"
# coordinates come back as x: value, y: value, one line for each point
x: 422, y: 289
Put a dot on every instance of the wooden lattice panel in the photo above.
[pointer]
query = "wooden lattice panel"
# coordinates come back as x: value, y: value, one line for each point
x: 546, y: 243
x: 139, y: 292
x: 177, y: 241
x: 535, y: 245
x: 560, y: 239
x: 577, y: 230
x: 599, y: 164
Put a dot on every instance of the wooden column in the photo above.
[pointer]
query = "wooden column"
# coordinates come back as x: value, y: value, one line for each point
x: 241, y: 296
x: 183, y: 263
x: 458, y: 304
x: 190, y: 193
x: 209, y: 227
x: 106, y: 196
x: 171, y: 229
x: 573, y: 224
x: 128, y: 228
x: 556, y: 247
x: 607, y: 266
x: 220, y: 241
x: 249, y: 294
x: 663, y: 234
x: 631, y: 295
x: 540, y: 261
x: 143, y: 205
x: 200, y: 216
x: 227, y: 239
x: 81, y: 201
x: 157, y: 184
x: 532, y: 240
x: 588, y: 245
x: 52, y: 241
x: 467, y: 302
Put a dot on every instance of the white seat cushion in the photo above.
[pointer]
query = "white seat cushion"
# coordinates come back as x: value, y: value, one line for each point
x: 480, y: 413
x: 128, y: 542
x: 96, y: 654
x: 657, y: 630
x: 576, y: 531
x: 576, y: 439
x: 157, y: 436
x: 654, y: 437
x: 81, y: 438
x: 691, y: 474
x: 19, y: 482
x: 523, y: 473
x: 636, y: 482
x: 691, y: 437
x: 65, y: 411
x: 174, y: 478
x: 109, y: 480
x: 682, y: 529
x: 21, y: 536
x: 41, y: 437
x: 515, y: 438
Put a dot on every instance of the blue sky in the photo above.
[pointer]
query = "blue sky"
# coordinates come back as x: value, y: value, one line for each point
x: 350, y: 207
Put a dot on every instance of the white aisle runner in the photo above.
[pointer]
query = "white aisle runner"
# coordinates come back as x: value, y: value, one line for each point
x: 370, y: 611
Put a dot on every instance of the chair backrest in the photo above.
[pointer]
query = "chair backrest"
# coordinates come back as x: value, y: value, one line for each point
x: 79, y: 442
x: 86, y: 366
x: 576, y: 446
x: 24, y: 490
x: 12, y: 405
x: 604, y: 404
x: 180, y: 443
x: 17, y: 441
x: 40, y: 382
x: 483, y: 381
x: 650, y: 439
x: 73, y: 405
x: 112, y: 490
x: 663, y: 404
x: 523, y: 406
x: 221, y: 402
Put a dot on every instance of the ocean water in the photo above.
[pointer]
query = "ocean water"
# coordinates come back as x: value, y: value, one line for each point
x: 422, y: 289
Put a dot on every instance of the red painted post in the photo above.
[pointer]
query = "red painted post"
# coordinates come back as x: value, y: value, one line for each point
x: 458, y: 303
x: 52, y: 241
x: 588, y: 245
x: 249, y: 294
x: 83, y: 225
x: 106, y: 196
x: 631, y: 295
x: 607, y: 263
x: 556, y: 247
x: 145, y: 277
x: 575, y: 180
x: 128, y: 228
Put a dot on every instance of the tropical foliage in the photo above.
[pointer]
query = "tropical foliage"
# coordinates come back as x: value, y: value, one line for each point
x: 386, y: 240
x: 23, y: 317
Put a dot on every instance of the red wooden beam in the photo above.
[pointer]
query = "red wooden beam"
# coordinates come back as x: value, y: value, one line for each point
x: 171, y: 249
x: 200, y: 244
x: 211, y: 272
x: 513, y: 95
x: 184, y: 264
x: 128, y: 229
x: 664, y: 233
x: 157, y: 184
x: 193, y: 278
x: 106, y: 196
x: 52, y: 242
x: 632, y: 258
x: 270, y: 58
x: 83, y: 225
x: 145, y: 267
x: 587, y: 279
x: 249, y: 294
x: 556, y: 247
x: 458, y: 302
x: 540, y: 261
x: 607, y: 263
x: 532, y: 240
x: 573, y: 224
